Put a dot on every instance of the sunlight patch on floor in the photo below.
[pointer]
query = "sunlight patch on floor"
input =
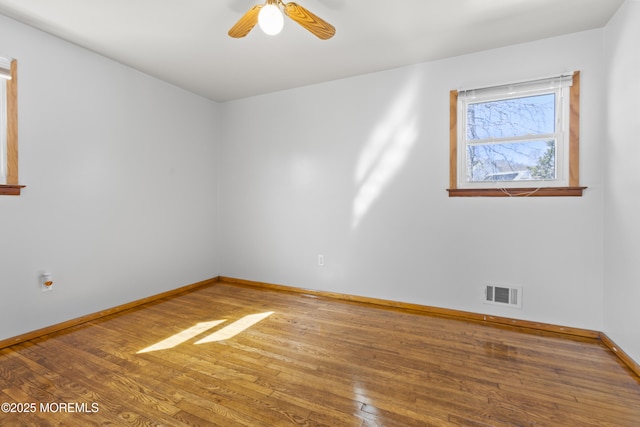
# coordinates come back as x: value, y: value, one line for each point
x: 235, y: 328
x: 183, y: 336
x: 225, y: 333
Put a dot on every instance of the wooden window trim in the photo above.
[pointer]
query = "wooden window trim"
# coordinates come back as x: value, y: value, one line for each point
x: 10, y: 190
x: 574, y: 188
x: 12, y: 187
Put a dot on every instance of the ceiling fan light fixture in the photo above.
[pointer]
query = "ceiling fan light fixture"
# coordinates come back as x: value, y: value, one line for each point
x: 270, y: 19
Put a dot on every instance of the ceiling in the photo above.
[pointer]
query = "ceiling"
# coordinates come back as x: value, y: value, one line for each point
x: 185, y: 42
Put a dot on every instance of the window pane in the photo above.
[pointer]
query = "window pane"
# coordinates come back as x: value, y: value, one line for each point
x: 530, y: 115
x: 520, y: 161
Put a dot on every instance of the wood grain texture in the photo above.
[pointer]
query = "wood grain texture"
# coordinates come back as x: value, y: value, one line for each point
x: 10, y: 190
x: 419, y: 308
x: 309, y: 21
x: 100, y: 314
x: 517, y: 192
x: 314, y: 361
x: 246, y: 23
x: 453, y: 139
x: 574, y: 131
x: 622, y: 355
x: 12, y: 126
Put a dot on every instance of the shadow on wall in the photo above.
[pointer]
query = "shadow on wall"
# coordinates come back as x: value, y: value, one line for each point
x: 386, y: 150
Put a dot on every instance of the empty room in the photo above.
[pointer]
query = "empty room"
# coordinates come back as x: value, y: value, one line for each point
x: 319, y: 213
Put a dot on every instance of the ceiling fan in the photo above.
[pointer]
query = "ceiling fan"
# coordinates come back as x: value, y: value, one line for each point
x: 270, y: 19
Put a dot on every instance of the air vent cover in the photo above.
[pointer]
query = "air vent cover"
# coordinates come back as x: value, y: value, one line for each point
x: 503, y: 295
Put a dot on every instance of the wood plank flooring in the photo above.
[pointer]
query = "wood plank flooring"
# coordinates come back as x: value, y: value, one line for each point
x: 311, y: 362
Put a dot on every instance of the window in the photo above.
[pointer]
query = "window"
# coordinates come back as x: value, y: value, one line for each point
x: 516, y: 140
x: 9, y: 128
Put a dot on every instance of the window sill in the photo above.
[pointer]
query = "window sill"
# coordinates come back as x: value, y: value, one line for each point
x: 10, y: 189
x: 517, y: 192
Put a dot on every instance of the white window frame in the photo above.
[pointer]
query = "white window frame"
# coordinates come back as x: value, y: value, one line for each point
x: 561, y: 135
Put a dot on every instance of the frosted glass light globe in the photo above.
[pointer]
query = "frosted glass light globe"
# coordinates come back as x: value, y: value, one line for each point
x: 270, y: 19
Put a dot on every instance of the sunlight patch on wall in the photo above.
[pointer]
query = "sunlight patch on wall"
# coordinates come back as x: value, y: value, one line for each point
x: 386, y: 151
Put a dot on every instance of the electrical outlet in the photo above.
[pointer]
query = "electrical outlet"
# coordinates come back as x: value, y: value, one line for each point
x: 46, y: 282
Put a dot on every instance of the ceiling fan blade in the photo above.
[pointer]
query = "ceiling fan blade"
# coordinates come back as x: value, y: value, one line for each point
x: 318, y: 26
x: 246, y: 23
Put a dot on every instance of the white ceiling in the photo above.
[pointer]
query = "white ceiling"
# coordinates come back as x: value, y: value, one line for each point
x: 185, y: 42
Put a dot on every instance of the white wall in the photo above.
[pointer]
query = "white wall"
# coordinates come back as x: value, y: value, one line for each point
x: 357, y: 169
x: 123, y: 171
x: 122, y: 178
x: 622, y: 208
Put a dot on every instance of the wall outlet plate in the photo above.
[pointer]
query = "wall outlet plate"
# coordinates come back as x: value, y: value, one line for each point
x: 46, y: 282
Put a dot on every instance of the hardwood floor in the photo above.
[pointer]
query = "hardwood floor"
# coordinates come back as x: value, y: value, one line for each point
x: 308, y: 361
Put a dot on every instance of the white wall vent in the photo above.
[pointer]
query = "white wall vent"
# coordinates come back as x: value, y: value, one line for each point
x: 503, y: 295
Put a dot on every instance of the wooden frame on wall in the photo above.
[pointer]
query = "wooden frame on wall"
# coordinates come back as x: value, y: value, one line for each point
x: 574, y: 188
x: 12, y: 187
